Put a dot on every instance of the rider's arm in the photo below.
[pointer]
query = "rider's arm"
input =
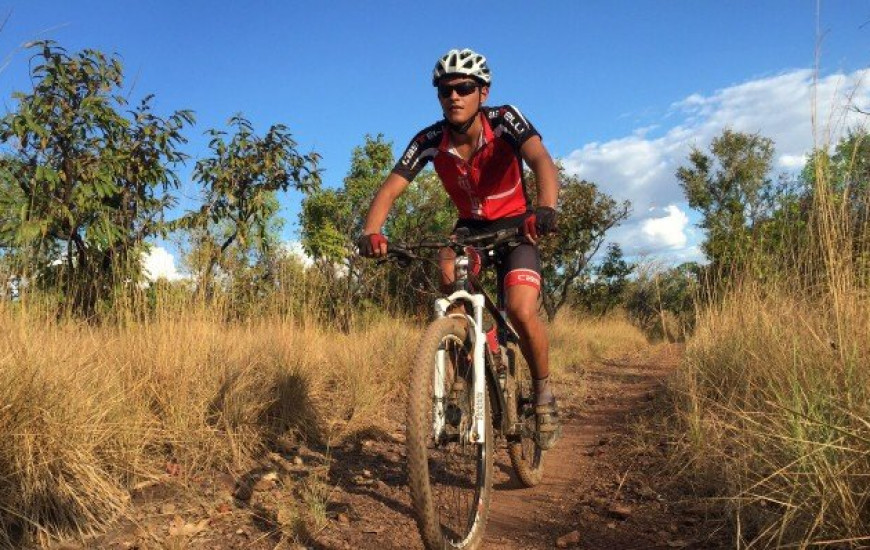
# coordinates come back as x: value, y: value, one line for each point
x: 392, y: 187
x: 416, y: 155
x: 546, y: 175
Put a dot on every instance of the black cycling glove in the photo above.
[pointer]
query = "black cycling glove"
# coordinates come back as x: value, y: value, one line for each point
x: 545, y: 220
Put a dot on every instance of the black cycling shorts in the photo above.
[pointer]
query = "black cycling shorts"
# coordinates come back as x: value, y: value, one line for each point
x: 520, y: 265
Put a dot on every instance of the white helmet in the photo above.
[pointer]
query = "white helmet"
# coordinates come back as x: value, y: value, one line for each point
x: 462, y: 62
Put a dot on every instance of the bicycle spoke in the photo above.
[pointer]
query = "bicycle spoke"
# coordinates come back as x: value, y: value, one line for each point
x: 454, y: 464
x: 450, y: 477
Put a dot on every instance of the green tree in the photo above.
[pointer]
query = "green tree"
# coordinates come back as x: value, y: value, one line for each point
x: 603, y: 289
x: 92, y: 180
x: 851, y: 161
x: 332, y: 219
x: 585, y: 216
x: 729, y: 187
x: 236, y: 228
x: 423, y: 211
x: 662, y: 301
x: 837, y: 196
x: 847, y: 174
x: 849, y: 167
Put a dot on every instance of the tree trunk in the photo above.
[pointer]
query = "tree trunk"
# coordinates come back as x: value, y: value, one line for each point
x: 551, y: 312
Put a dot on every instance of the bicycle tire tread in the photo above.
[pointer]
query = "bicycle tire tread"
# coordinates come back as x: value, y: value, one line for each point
x: 419, y: 403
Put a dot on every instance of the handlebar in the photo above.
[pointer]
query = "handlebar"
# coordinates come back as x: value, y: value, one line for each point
x: 483, y: 242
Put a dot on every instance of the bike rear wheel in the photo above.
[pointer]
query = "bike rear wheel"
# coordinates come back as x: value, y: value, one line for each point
x: 450, y: 477
x: 526, y: 456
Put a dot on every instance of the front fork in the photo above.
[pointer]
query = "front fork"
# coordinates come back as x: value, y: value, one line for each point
x: 478, y: 417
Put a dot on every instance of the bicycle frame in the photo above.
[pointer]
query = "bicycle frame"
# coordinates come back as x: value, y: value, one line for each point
x: 470, y: 291
x: 480, y: 302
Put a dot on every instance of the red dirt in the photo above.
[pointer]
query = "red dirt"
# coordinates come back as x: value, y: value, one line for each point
x: 598, y: 481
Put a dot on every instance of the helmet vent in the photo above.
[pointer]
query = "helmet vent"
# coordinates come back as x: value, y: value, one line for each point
x: 462, y: 63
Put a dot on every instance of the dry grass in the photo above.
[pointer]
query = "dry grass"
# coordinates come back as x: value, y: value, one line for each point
x: 774, y: 418
x: 576, y: 342
x: 89, y: 411
x: 576, y: 339
x: 772, y: 413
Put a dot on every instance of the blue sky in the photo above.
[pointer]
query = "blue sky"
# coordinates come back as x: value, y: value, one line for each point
x: 618, y: 89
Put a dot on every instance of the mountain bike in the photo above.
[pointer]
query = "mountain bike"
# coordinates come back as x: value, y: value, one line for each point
x: 468, y: 386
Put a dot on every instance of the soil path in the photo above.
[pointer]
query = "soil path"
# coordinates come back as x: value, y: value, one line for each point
x: 603, y: 487
x: 578, y: 492
x: 598, y: 482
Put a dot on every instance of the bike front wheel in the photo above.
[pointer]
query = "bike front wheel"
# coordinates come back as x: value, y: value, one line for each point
x: 450, y: 476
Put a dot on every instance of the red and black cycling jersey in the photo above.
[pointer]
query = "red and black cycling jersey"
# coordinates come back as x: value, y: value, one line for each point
x: 488, y: 186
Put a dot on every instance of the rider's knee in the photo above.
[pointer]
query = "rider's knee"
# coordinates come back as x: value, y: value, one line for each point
x: 446, y: 255
x: 522, y: 313
x: 445, y: 261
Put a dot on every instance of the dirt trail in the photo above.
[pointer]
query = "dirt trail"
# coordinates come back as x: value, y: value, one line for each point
x: 577, y: 492
x: 612, y: 498
x: 590, y: 484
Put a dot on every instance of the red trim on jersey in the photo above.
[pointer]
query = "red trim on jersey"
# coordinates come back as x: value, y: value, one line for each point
x: 526, y: 277
x: 488, y: 186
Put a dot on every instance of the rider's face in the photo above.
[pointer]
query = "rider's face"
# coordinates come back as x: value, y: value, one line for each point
x: 458, y: 108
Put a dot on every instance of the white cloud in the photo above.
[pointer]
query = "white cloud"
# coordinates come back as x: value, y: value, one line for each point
x: 688, y: 254
x: 667, y: 230
x: 658, y: 231
x: 641, y: 167
x: 160, y: 263
x: 792, y: 162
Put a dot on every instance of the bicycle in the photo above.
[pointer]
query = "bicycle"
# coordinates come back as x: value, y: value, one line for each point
x: 467, y: 388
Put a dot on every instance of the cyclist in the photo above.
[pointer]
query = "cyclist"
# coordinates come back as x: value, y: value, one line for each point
x: 478, y: 153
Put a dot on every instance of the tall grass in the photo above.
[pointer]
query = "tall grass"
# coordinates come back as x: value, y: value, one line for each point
x: 577, y: 340
x: 88, y: 411
x: 773, y: 410
x: 777, y: 417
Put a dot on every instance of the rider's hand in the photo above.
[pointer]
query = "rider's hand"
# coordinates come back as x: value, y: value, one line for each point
x: 545, y: 220
x: 373, y: 245
x: 540, y: 224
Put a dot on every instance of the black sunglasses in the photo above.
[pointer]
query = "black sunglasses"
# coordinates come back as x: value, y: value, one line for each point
x: 462, y: 88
